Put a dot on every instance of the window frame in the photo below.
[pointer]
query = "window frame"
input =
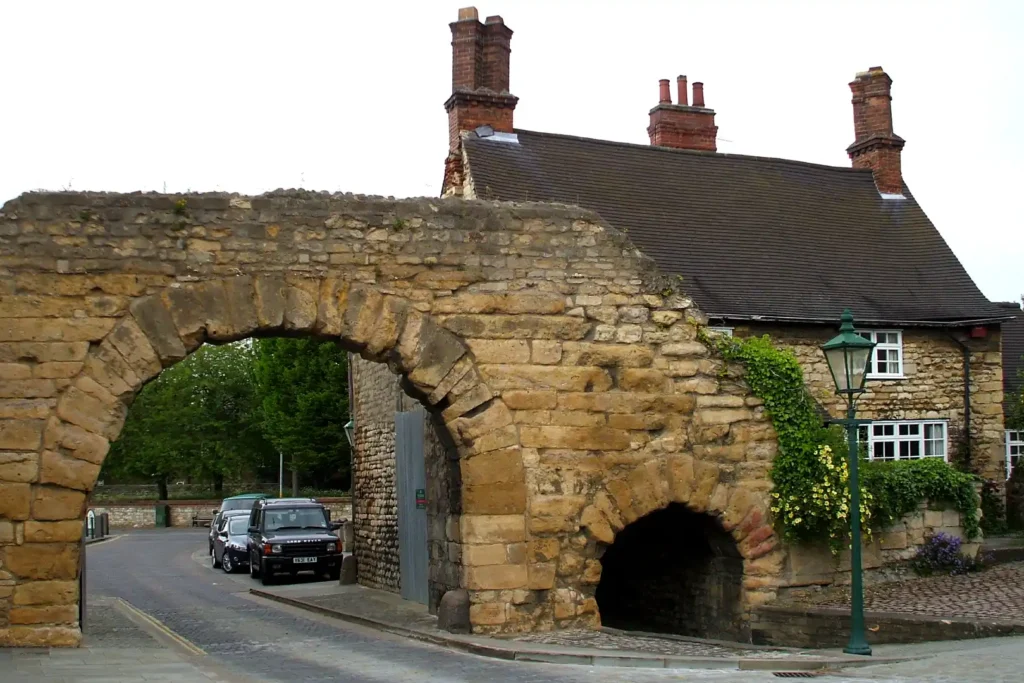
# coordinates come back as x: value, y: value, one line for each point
x: 921, y: 439
x: 1014, y: 439
x: 885, y: 346
x: 721, y: 329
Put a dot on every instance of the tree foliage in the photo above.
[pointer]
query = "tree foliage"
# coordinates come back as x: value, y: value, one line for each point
x: 303, y: 388
x: 226, y: 412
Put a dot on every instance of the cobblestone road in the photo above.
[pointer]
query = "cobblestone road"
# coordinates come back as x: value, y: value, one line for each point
x: 250, y: 640
x: 996, y: 593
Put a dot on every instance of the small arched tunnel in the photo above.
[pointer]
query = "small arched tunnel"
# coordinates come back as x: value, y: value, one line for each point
x: 673, y: 571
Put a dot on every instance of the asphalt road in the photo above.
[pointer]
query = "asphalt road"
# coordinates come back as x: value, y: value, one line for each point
x: 248, y: 639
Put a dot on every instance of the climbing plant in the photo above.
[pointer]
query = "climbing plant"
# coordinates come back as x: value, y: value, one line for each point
x: 810, y: 494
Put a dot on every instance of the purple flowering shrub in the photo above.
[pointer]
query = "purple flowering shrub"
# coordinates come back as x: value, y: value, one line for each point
x: 941, y: 554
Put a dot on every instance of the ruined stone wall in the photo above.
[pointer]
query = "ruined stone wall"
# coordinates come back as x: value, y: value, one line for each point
x: 565, y: 370
x: 933, y: 386
x: 376, y: 397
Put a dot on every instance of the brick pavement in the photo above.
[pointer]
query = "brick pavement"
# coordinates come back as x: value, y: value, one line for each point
x: 995, y: 594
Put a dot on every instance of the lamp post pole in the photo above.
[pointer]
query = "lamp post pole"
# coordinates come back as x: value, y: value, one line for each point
x: 849, y: 360
x: 280, y: 474
x: 858, y: 644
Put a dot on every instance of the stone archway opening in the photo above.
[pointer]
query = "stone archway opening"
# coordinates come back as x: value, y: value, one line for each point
x: 673, y: 571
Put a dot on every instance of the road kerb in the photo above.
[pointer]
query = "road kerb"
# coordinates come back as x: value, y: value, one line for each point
x: 497, y: 649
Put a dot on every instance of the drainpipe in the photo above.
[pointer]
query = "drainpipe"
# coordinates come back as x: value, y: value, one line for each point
x: 352, y: 450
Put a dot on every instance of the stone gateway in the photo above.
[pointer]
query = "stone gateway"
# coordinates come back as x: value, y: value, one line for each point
x: 564, y: 372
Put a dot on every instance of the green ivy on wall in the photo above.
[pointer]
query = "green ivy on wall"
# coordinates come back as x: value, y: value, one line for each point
x: 810, y: 495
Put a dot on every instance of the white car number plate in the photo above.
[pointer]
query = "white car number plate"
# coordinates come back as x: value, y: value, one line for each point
x: 303, y: 560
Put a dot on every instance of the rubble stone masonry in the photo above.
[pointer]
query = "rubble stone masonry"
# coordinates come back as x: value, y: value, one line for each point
x: 564, y: 372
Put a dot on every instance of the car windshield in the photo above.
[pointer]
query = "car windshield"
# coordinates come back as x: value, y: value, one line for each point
x: 295, y: 518
x: 238, y: 504
x: 238, y: 526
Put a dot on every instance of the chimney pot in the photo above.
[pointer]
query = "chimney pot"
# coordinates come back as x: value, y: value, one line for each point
x: 683, y: 95
x: 698, y: 94
x: 664, y: 94
x: 496, y: 19
x: 468, y: 14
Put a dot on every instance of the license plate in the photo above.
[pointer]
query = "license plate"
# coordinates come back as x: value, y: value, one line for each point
x: 303, y: 560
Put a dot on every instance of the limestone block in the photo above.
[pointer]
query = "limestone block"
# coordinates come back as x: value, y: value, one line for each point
x: 50, y: 614
x: 722, y: 416
x: 69, y: 531
x: 487, y: 614
x: 542, y: 549
x: 643, y: 380
x: 40, y: 636
x: 18, y: 467
x: 463, y: 368
x: 493, y: 528
x: 545, y: 352
x: 43, y: 560
x: 687, y: 349
x: 9, y: 371
x: 541, y: 576
x: 86, y: 445
x: 496, y: 467
x: 270, y: 297
x: 933, y: 518
x: 154, y: 318
x: 25, y: 409
x: 301, y: 300
x: 500, y: 351
x: 7, y: 533
x: 705, y: 477
x: 43, y: 352
x: 545, y: 377
x: 951, y: 517
x: 111, y: 371
x: 483, y: 419
x: 494, y: 500
x: 91, y: 413
x: 21, y: 435
x: 497, y: 326
x: 562, y: 506
x: 606, y: 355
x: 496, y: 577
x: 893, y: 540
x: 530, y: 400
x: 14, y: 499
x: 503, y: 437
x: 579, y: 438
x: 71, y: 473
x: 679, y: 472
x: 54, y: 503
x: 483, y: 555
x: 133, y: 345
x: 429, y: 351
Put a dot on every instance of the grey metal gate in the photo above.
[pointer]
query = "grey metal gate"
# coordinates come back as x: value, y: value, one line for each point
x: 411, y: 481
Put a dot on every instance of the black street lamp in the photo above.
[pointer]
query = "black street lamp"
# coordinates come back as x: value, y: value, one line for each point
x: 848, y: 355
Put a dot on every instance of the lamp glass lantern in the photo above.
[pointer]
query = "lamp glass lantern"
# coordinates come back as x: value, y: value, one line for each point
x: 350, y: 429
x: 848, y: 355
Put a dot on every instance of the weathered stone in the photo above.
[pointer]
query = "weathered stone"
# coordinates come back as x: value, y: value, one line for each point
x: 487, y: 614
x: 269, y: 297
x: 154, y: 319
x: 488, y: 500
x: 496, y: 467
x: 21, y: 435
x: 606, y: 355
x: 517, y: 326
x: 643, y: 380
x: 544, y: 377
x: 135, y: 348
x: 19, y: 467
x: 493, y: 528
x: 436, y: 351
x: 453, y: 613
x: 53, y: 532
x: 93, y: 414
x: 530, y: 400
x: 580, y: 438
x: 388, y: 326
x: 43, y: 560
x: 43, y: 352
x: 86, y: 445
x: 301, y: 303
x: 500, y: 350
x: 25, y: 409
x: 496, y: 577
x: 541, y: 576
x: 598, y: 524
x: 54, y: 503
x: 70, y: 473
x: 50, y: 614
x: 40, y: 636
x: 544, y: 352
x: 14, y: 500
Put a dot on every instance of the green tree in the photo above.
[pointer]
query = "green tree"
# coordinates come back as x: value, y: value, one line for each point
x: 200, y: 418
x: 303, y: 389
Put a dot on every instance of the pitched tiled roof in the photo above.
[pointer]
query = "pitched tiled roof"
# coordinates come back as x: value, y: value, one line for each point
x: 751, y: 236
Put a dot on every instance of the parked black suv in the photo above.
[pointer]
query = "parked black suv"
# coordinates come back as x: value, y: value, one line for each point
x: 291, y: 535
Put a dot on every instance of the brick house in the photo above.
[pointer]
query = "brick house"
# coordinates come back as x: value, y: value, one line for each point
x: 1013, y: 383
x: 753, y: 240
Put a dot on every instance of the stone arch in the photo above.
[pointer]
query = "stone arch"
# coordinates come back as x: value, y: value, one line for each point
x: 161, y: 329
x: 701, y: 488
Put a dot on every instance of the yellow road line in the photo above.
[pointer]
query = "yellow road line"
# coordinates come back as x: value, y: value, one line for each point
x: 155, y: 623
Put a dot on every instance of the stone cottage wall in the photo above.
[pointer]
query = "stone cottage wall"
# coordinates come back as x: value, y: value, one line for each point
x: 933, y: 386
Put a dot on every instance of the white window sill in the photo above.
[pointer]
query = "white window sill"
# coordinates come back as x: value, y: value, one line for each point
x: 883, y: 377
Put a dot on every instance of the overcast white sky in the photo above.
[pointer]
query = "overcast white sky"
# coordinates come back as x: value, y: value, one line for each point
x: 251, y: 96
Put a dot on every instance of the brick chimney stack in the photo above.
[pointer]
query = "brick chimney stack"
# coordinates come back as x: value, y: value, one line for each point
x: 876, y: 146
x: 480, y: 75
x: 680, y: 125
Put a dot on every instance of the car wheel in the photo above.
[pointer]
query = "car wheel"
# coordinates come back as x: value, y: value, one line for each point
x: 226, y: 564
x: 254, y: 566
x: 213, y: 559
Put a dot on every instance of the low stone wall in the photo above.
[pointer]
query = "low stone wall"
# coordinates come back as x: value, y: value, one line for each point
x: 811, y: 566
x: 142, y: 514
